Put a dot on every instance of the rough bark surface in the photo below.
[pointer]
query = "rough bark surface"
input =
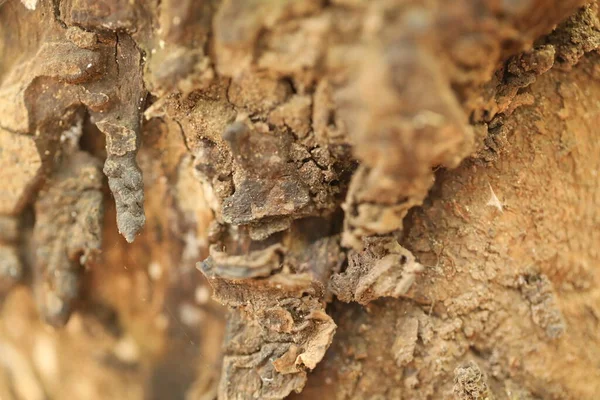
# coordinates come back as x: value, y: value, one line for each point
x: 341, y: 199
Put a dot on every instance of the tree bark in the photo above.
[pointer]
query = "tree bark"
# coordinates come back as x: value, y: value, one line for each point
x: 338, y: 199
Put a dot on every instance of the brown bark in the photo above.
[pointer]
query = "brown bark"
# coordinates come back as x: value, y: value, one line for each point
x: 343, y: 200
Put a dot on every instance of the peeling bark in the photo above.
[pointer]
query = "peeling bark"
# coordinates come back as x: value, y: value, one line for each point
x: 345, y: 199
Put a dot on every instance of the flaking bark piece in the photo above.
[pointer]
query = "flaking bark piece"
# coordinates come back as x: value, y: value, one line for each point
x: 272, y: 370
x: 404, y: 345
x: 68, y: 230
x: 538, y: 290
x: 382, y: 269
x: 278, y: 328
x: 578, y: 35
x: 254, y: 374
x: 126, y: 183
x: 403, y: 120
x: 92, y: 15
x: 267, y: 185
x: 177, y: 62
x: 470, y: 383
x: 238, y: 25
x: 121, y: 125
x: 259, y: 263
x: 272, y: 340
x: 64, y: 63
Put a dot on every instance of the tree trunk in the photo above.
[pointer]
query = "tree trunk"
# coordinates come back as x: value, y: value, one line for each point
x: 343, y: 199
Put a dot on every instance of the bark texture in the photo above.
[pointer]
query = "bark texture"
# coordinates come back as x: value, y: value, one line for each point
x: 339, y: 199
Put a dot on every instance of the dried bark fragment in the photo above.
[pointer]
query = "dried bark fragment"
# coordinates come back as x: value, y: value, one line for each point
x: 470, y: 383
x: 269, y: 180
x: 576, y: 36
x: 62, y: 62
x: 121, y: 125
x: 238, y: 25
x: 126, y: 184
x: 176, y: 53
x: 537, y: 290
x: 67, y: 232
x: 371, y: 211
x: 82, y: 38
x: 522, y: 71
x: 100, y: 15
x: 271, y: 361
x: 254, y: 264
x: 413, y: 111
x: 278, y: 329
x: 328, y: 126
x: 257, y: 93
x: 562, y: 48
x: 382, y: 269
x: 266, y: 184
x: 294, y: 114
x: 406, y: 341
